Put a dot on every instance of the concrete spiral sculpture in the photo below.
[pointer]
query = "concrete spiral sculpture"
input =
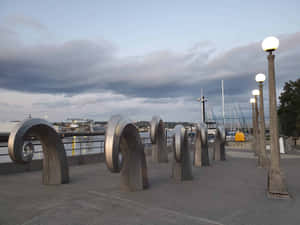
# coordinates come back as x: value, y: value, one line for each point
x: 219, y: 145
x: 182, y: 165
x: 124, y: 153
x: 55, y: 164
x: 201, y: 157
x: 158, y: 139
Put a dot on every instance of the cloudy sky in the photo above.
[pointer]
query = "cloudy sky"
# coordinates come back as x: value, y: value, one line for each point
x: 92, y: 59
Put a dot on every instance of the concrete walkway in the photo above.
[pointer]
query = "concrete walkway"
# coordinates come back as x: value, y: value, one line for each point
x: 249, y: 154
x: 231, y: 193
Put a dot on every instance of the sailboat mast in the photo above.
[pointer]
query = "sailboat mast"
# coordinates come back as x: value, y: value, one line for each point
x: 223, y: 102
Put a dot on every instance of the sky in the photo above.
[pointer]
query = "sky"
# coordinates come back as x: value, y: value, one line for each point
x: 93, y: 59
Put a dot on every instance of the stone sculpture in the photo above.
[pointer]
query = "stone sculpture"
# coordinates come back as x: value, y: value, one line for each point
x: 158, y: 139
x: 55, y: 164
x: 201, y: 157
x: 124, y: 153
x: 219, y: 144
x: 182, y: 165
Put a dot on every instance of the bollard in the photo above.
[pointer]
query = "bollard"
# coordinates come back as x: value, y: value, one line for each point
x: 201, y: 157
x: 124, y: 153
x: 219, y: 144
x: 182, y: 165
x: 86, y: 145
x: 73, y: 145
x: 281, y: 145
x: 158, y: 139
x: 55, y: 164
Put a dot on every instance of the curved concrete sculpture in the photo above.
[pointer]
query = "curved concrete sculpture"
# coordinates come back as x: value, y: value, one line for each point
x: 158, y: 139
x: 182, y: 165
x: 201, y: 157
x: 124, y: 153
x: 219, y: 145
x: 55, y: 164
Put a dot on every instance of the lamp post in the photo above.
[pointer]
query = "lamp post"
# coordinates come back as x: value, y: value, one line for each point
x: 276, y: 182
x: 252, y: 101
x: 260, y: 78
x: 255, y: 93
x: 202, y: 101
x: 201, y: 116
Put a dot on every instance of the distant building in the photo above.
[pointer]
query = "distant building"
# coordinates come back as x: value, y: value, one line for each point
x: 8, y: 126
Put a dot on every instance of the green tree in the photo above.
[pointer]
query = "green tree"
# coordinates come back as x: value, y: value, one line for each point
x: 289, y: 109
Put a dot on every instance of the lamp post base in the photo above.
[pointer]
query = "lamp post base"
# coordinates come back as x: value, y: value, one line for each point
x: 276, y: 185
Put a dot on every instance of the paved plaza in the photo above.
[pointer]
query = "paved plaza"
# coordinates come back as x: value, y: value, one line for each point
x: 232, y: 192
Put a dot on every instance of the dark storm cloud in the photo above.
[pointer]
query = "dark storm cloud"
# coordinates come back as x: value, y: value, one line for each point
x: 84, y: 66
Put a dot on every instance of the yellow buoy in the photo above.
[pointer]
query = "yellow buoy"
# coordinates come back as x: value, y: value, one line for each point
x: 239, y: 136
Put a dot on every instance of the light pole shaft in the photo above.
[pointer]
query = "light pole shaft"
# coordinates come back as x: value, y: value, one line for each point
x: 257, y: 129
x: 275, y: 162
x: 203, y: 110
x: 253, y: 120
x: 262, y: 123
x: 254, y: 128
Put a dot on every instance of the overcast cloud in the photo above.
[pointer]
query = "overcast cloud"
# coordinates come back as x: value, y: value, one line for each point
x: 86, y: 78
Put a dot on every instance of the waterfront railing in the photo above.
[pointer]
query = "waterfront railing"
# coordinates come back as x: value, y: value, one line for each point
x: 75, y: 144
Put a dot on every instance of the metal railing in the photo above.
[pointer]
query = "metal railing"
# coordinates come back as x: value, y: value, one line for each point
x: 74, y: 145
